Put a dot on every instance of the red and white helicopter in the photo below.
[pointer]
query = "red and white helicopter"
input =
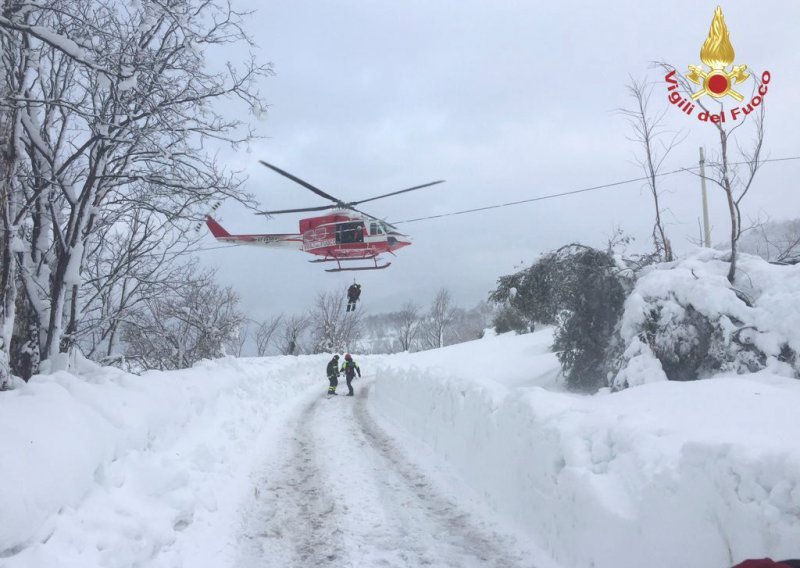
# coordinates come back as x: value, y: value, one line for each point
x: 346, y: 234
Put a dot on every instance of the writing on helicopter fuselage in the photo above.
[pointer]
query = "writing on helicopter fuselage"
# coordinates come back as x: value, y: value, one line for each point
x: 267, y: 239
x: 319, y: 243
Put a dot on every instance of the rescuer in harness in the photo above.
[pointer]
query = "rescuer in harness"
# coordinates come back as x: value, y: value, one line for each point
x: 353, y: 294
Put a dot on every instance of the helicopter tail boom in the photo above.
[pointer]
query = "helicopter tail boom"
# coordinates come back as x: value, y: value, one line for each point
x: 283, y: 240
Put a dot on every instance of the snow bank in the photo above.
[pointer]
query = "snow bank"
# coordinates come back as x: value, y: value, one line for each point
x: 696, y: 475
x: 110, y: 469
x: 507, y: 359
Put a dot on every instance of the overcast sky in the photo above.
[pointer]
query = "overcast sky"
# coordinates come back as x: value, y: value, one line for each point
x: 504, y: 100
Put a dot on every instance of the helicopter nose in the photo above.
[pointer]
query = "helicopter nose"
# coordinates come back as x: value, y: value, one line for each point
x: 398, y: 240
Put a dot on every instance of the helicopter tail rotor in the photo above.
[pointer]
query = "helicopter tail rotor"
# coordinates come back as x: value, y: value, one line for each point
x: 208, y: 215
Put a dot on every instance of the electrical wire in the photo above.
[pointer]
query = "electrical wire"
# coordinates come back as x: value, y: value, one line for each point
x: 576, y: 191
x: 555, y: 195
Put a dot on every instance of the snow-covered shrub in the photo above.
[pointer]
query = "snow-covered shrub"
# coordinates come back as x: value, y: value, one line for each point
x: 510, y: 318
x: 680, y: 337
x: 592, y: 293
x: 581, y: 291
x: 693, y: 323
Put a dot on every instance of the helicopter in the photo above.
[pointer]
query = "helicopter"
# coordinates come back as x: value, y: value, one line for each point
x: 345, y: 234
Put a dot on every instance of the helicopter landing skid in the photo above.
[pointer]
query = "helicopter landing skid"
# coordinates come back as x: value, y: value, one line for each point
x: 339, y: 261
x: 376, y: 267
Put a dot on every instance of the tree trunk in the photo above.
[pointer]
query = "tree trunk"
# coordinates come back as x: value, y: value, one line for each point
x: 52, y: 343
x: 726, y: 185
x: 25, y: 341
x: 8, y: 290
x: 734, y: 237
x: 8, y: 293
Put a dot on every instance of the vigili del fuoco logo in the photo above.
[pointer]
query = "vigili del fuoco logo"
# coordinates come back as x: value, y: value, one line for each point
x: 717, y: 78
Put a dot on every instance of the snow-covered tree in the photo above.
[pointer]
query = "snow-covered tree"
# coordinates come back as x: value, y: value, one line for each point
x: 139, y: 257
x: 196, y: 320
x: 655, y: 144
x: 408, y: 325
x: 240, y: 337
x: 333, y: 328
x: 14, y: 64
x: 581, y: 291
x: 440, y: 318
x: 775, y: 241
x: 530, y: 294
x: 107, y: 108
x: 292, y: 330
x: 265, y: 332
x: 470, y: 324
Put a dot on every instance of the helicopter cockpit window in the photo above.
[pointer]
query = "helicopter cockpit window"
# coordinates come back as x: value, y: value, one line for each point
x: 349, y: 233
x: 375, y: 229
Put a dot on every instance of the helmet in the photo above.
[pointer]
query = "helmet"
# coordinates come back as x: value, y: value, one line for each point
x: 348, y: 357
x: 335, y: 355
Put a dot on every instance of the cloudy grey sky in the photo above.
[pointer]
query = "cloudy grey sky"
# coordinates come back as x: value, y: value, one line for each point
x: 506, y: 100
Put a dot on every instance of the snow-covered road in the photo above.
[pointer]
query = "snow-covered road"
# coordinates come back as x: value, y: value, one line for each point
x: 469, y: 455
x: 339, y: 490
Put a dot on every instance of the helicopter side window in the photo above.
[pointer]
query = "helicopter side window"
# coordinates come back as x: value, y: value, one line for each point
x: 349, y: 233
x: 375, y: 229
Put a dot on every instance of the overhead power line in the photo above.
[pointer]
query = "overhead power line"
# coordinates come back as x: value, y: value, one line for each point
x: 576, y: 191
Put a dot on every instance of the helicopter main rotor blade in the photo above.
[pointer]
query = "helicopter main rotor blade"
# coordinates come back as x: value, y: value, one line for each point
x: 301, y: 182
x: 301, y: 210
x: 397, y: 192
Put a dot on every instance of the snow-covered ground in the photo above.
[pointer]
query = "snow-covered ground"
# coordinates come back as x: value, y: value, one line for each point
x: 668, y: 474
x: 470, y: 455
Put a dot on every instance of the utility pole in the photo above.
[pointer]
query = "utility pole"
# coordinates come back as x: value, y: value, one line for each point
x: 706, y: 228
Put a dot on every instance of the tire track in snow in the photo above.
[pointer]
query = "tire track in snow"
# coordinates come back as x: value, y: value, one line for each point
x: 340, y: 492
x: 458, y: 540
x: 296, y: 522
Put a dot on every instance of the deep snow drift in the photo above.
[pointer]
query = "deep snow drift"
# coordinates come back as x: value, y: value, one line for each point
x: 697, y: 474
x: 108, y: 469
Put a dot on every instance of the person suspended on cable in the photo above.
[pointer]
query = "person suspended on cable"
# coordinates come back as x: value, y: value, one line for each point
x: 353, y: 294
x: 350, y: 368
x: 333, y: 375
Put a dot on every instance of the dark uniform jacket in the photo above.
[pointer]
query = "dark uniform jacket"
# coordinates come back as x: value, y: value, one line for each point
x: 333, y: 368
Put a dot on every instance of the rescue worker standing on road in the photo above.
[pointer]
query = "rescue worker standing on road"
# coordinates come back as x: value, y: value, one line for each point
x: 350, y: 368
x: 333, y: 375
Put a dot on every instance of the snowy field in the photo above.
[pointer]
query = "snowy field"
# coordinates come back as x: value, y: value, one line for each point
x: 470, y: 455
